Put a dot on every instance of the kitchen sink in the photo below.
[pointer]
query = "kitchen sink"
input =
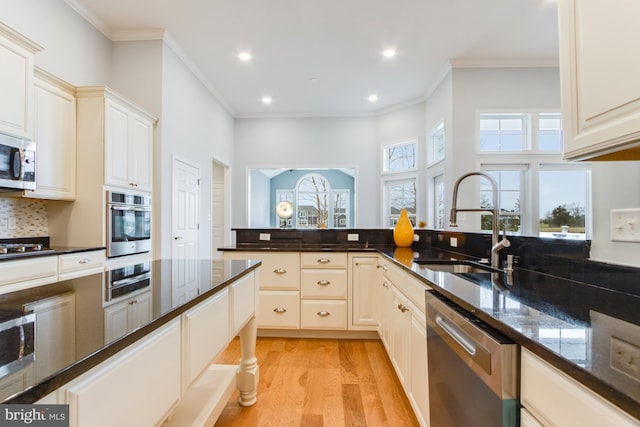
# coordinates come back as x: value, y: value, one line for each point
x: 455, y: 267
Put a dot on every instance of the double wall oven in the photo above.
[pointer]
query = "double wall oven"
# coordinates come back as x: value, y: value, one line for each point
x: 128, y: 224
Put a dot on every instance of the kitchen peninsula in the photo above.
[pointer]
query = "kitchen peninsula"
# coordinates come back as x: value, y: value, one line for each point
x: 565, y: 312
x: 163, y: 352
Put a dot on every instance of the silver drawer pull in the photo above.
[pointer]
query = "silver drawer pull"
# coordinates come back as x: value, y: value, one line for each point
x: 324, y: 261
x: 323, y: 313
x: 279, y: 271
x: 84, y: 261
x: 323, y: 282
x: 403, y: 308
x: 280, y: 310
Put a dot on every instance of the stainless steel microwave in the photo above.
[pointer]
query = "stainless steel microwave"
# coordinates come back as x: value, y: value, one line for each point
x: 17, y: 164
x: 128, y: 224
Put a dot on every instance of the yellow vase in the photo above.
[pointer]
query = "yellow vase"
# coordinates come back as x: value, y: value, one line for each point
x: 403, y: 233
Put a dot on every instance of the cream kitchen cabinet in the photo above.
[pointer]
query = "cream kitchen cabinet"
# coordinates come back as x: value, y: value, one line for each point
x: 16, y: 83
x: 128, y: 146
x: 55, y: 138
x: 600, y: 90
x: 80, y: 264
x: 141, y: 384
x: 554, y: 399
x: 279, y: 300
x: 323, y: 281
x: 26, y: 273
x: 126, y: 315
x: 365, y: 279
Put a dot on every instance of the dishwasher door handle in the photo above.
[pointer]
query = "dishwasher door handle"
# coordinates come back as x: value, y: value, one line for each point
x: 458, y: 336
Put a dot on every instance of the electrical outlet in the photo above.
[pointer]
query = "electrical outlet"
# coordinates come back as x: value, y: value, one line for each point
x: 353, y: 237
x: 625, y: 225
x: 265, y: 236
x: 453, y: 242
x: 11, y: 223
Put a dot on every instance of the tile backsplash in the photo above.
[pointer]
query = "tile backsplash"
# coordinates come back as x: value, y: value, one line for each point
x: 28, y: 216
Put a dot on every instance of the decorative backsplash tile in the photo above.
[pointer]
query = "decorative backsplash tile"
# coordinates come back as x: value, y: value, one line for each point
x: 30, y: 218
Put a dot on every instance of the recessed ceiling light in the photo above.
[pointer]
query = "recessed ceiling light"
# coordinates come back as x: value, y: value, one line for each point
x: 389, y: 53
x: 244, y: 56
x: 267, y: 100
x: 372, y: 98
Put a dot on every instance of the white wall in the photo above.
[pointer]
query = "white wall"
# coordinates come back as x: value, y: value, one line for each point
x: 73, y: 49
x: 195, y: 128
x: 308, y: 142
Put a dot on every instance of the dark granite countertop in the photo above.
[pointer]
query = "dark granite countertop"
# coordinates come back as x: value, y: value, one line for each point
x: 568, y: 323
x: 90, y: 338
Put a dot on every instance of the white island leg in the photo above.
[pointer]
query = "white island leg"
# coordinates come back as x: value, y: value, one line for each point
x: 247, y: 377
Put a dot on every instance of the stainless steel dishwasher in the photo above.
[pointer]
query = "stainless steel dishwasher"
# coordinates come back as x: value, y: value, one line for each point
x: 473, y: 369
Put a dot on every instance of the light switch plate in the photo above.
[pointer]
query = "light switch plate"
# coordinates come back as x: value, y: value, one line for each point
x: 353, y: 237
x: 265, y: 236
x: 625, y: 225
x: 453, y: 242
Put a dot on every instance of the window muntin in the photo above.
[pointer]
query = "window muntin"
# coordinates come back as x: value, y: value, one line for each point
x: 438, y: 202
x: 400, y: 195
x: 400, y: 157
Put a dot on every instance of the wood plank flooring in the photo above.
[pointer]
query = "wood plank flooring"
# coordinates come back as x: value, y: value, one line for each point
x: 320, y: 383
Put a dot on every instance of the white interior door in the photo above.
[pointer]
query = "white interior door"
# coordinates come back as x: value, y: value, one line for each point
x: 185, y: 227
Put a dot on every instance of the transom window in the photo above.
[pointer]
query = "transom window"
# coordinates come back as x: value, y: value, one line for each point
x: 400, y: 157
x: 531, y: 131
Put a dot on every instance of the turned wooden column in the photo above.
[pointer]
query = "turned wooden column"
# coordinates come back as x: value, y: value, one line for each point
x: 247, y: 376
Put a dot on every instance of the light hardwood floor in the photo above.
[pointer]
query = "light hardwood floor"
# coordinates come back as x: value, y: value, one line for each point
x: 320, y: 382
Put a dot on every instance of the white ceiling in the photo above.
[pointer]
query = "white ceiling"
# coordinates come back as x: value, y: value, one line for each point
x: 336, y: 42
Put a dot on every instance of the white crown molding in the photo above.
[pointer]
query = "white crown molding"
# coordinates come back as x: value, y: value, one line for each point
x: 179, y: 51
x: 90, y: 17
x: 401, y: 105
x: 306, y: 115
x: 138, y: 34
x: 435, y: 83
x: 504, y: 63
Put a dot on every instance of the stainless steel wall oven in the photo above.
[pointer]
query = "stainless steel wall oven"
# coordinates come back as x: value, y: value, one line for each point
x: 17, y: 341
x: 128, y: 224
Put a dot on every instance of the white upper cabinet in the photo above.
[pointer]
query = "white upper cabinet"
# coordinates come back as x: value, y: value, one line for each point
x: 16, y: 83
x: 129, y: 142
x: 599, y: 69
x: 55, y: 138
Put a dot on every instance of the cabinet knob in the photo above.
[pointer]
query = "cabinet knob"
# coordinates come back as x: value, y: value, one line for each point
x: 323, y: 313
x: 279, y: 271
x: 324, y: 261
x: 280, y: 310
x: 385, y: 285
x: 323, y: 282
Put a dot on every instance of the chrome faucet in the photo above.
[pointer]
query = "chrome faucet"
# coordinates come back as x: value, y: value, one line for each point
x: 496, y: 245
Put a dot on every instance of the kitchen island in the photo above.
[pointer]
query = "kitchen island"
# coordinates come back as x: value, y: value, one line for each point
x: 151, y: 335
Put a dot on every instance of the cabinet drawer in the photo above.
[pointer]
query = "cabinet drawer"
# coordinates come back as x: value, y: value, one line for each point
x: 323, y: 260
x: 415, y: 291
x: 78, y: 264
x: 558, y: 400
x: 280, y: 270
x: 323, y: 283
x: 323, y: 314
x: 279, y: 309
x: 24, y: 273
x: 394, y: 273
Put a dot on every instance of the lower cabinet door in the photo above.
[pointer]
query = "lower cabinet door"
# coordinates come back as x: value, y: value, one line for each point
x: 323, y: 314
x: 135, y: 388
x: 279, y: 309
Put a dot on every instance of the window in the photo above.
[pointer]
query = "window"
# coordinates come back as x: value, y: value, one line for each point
x: 435, y: 144
x: 400, y: 195
x: 503, y: 132
x: 540, y: 193
x: 400, y: 157
x: 316, y: 204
